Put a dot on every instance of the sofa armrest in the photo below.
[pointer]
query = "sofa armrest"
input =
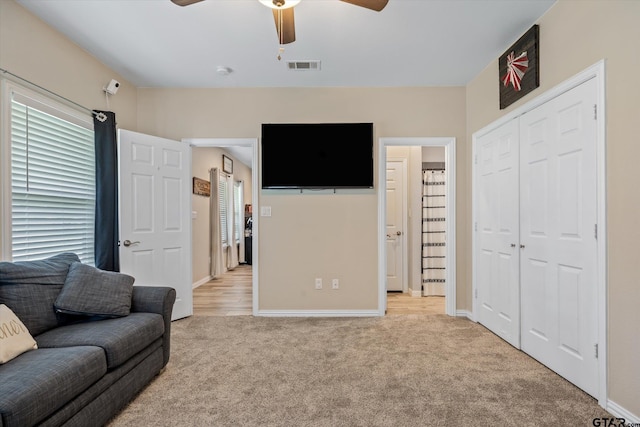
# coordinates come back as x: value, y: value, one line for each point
x: 156, y: 299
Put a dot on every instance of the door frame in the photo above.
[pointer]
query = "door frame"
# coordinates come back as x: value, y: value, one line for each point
x: 597, y: 72
x: 253, y: 144
x: 405, y: 241
x: 449, y: 144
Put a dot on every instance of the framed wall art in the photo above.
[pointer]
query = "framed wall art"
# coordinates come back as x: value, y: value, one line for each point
x: 201, y: 187
x: 227, y: 164
x: 519, y: 68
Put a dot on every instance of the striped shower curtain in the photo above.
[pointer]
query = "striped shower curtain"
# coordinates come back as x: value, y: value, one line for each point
x: 433, y: 232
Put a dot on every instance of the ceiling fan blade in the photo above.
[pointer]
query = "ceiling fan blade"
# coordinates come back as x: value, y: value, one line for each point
x: 285, y: 25
x: 376, y: 5
x: 185, y: 2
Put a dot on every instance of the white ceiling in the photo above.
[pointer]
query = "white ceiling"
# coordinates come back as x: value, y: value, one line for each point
x: 154, y: 43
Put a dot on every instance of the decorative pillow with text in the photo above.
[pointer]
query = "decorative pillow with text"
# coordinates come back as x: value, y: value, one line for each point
x: 15, y: 339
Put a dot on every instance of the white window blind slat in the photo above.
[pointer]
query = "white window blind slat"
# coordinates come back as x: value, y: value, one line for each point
x: 238, y: 211
x: 53, y: 184
x: 222, y: 199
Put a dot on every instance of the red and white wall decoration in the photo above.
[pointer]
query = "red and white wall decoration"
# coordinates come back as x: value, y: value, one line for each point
x: 519, y: 68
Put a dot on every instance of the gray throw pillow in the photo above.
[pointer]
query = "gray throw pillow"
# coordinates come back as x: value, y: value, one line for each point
x: 31, y: 287
x: 88, y: 291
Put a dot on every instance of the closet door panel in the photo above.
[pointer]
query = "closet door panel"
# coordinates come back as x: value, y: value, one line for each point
x: 497, y: 257
x: 557, y: 220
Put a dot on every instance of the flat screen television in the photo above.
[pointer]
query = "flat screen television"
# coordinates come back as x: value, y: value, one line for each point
x: 317, y: 155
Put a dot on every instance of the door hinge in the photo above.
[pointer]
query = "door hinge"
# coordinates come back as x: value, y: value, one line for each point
x: 475, y: 160
x: 595, y: 346
x: 595, y: 231
x: 475, y: 226
x: 595, y: 111
x: 476, y: 293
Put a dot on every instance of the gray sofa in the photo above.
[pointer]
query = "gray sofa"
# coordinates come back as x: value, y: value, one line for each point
x: 86, y: 367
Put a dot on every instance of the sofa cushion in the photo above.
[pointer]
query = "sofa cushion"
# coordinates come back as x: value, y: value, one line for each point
x: 120, y: 338
x: 37, y: 383
x: 89, y: 291
x: 29, y: 289
x: 15, y: 339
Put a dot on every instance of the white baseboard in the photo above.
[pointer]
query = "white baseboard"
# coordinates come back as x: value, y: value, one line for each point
x: 415, y: 293
x: 318, y: 313
x: 201, y: 282
x: 620, y: 412
x: 464, y: 313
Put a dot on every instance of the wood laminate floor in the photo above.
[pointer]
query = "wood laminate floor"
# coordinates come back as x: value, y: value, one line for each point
x: 231, y: 295
x: 399, y: 303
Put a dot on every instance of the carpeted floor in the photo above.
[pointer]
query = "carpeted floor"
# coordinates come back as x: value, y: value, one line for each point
x: 393, y: 371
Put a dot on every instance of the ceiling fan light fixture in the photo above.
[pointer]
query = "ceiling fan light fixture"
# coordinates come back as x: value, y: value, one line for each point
x: 279, y: 4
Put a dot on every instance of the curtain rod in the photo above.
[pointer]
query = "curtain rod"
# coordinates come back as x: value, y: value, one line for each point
x: 221, y: 172
x: 22, y: 79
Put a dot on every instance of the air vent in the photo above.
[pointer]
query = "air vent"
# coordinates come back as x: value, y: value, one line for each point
x: 303, y: 65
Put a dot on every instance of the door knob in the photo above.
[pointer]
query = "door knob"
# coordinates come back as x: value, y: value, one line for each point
x: 521, y: 246
x: 388, y: 236
x: 128, y: 243
x: 513, y: 245
x: 398, y: 233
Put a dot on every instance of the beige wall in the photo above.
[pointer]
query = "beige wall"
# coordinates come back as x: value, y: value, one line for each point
x: 573, y: 36
x: 313, y: 235
x: 41, y: 55
x: 203, y: 159
x: 433, y: 154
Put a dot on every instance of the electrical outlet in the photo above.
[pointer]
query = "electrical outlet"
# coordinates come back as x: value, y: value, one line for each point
x: 318, y: 283
x: 335, y: 284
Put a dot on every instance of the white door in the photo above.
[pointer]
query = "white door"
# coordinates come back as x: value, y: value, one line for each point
x: 396, y: 213
x: 155, y: 214
x: 497, y: 228
x: 558, y: 220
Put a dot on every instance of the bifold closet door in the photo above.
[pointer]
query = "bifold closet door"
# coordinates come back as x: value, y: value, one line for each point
x: 558, y: 215
x: 497, y: 253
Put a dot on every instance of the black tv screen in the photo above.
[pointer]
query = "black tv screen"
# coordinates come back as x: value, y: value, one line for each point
x: 317, y: 155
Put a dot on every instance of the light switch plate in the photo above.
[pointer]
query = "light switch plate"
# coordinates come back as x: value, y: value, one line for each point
x: 265, y: 211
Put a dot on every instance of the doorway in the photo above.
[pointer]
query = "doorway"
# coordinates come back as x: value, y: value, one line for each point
x: 448, y: 144
x: 240, y: 147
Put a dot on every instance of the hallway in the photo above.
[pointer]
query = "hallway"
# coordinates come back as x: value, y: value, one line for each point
x: 231, y: 295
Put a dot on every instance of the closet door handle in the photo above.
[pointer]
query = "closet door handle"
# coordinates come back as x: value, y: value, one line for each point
x: 513, y: 245
x: 521, y: 246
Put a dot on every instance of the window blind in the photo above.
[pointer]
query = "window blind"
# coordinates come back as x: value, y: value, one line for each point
x: 52, y: 185
x: 238, y: 211
x: 222, y: 199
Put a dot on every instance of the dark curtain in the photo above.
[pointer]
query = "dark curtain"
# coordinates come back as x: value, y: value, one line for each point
x: 106, y: 229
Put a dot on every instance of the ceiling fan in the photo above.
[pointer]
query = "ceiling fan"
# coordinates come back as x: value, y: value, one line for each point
x: 283, y: 13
